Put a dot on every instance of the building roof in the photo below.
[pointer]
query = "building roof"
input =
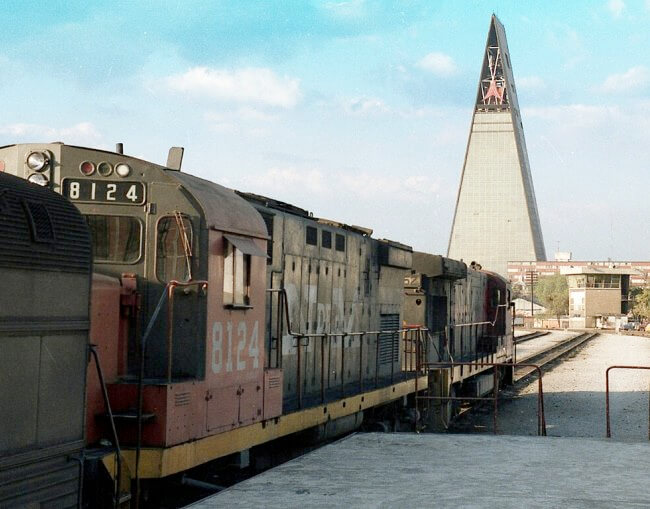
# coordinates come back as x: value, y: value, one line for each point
x: 591, y: 269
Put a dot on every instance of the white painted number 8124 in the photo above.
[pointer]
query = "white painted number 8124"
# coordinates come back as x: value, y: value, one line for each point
x: 218, y: 347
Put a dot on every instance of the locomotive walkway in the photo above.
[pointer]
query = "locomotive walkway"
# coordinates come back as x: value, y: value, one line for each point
x: 433, y: 470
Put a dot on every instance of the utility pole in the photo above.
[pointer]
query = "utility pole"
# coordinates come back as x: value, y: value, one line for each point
x: 531, y: 279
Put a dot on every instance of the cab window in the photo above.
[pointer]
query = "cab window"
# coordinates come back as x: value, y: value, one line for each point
x: 115, y: 239
x: 174, y: 249
x: 236, y: 276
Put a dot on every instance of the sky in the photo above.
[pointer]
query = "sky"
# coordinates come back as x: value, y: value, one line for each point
x: 358, y: 110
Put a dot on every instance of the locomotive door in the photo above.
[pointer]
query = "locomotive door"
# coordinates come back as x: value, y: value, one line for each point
x: 175, y: 349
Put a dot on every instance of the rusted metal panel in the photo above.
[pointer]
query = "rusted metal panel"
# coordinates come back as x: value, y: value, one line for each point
x: 222, y: 408
x: 272, y: 393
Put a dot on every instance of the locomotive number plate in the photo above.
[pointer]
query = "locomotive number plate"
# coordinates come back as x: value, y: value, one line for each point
x: 102, y: 191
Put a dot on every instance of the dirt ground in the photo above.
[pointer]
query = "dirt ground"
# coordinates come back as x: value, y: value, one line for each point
x: 574, y: 395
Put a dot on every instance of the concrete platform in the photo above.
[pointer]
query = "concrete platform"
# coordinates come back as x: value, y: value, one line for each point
x: 444, y: 470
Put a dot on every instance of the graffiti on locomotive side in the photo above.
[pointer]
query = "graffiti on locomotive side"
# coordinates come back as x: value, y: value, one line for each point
x: 233, y: 348
x: 309, y: 315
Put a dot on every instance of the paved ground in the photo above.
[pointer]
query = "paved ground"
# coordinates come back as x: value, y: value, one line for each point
x: 442, y: 470
x: 574, y: 394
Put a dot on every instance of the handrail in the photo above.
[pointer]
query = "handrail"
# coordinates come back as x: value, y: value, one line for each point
x: 607, y: 416
x: 541, y: 419
x: 109, y: 411
x: 326, y: 337
x: 167, y: 294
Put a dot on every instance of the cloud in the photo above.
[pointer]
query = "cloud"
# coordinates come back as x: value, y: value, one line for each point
x: 616, y: 7
x: 346, y: 9
x: 288, y: 180
x: 438, y: 63
x: 531, y: 83
x: 248, y: 85
x: 365, y: 106
x: 583, y: 115
x: 291, y: 181
x: 634, y: 78
x: 81, y: 133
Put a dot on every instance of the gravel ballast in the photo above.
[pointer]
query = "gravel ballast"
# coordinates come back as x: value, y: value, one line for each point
x: 574, y: 394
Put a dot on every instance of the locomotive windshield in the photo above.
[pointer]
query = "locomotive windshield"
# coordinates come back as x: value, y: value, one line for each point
x: 115, y: 239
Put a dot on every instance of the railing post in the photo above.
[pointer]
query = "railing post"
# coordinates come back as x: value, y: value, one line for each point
x: 170, y: 329
x: 322, y: 367
x: 607, y: 408
x: 343, y: 364
x: 361, y: 338
x: 376, y: 359
x: 299, y: 370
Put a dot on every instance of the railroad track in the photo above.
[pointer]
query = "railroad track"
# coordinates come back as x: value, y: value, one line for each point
x: 551, y: 353
x: 531, y: 335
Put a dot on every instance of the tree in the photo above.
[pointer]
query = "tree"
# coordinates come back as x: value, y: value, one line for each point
x: 642, y: 303
x: 553, y: 292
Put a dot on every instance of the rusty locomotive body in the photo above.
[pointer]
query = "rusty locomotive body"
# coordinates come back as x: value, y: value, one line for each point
x: 226, y: 320
x: 222, y: 321
x: 468, y: 316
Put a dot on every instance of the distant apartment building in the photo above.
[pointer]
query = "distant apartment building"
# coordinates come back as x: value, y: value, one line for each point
x: 520, y: 272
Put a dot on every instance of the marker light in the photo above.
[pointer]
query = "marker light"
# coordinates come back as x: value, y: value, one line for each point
x: 38, y: 179
x: 87, y: 168
x: 37, y: 161
x: 123, y: 170
x: 2, y: 165
x: 104, y: 169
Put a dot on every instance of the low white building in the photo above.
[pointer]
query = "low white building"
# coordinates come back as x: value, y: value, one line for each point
x: 523, y: 308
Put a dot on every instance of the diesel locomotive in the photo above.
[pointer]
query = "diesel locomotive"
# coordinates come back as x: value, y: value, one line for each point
x: 225, y: 320
x: 222, y: 321
x: 45, y: 267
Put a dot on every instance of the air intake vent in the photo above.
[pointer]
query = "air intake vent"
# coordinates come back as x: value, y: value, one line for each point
x: 274, y: 382
x: 41, y: 230
x: 39, y: 222
x: 182, y: 398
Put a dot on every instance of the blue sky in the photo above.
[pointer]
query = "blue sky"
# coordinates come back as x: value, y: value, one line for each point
x: 357, y: 110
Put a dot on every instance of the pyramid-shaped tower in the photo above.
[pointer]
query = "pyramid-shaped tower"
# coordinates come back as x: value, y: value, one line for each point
x: 496, y: 217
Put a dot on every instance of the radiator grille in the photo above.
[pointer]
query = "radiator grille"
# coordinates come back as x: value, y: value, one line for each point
x: 388, y: 342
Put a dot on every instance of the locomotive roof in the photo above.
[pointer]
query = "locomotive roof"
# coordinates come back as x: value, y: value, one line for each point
x: 272, y: 203
x: 40, y: 229
x: 223, y: 209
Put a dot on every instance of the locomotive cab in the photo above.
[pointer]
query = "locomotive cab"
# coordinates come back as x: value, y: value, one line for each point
x: 190, y: 258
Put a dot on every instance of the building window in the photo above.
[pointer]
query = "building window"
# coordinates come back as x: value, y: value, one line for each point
x: 311, y: 236
x: 236, y: 276
x: 174, y: 249
x: 326, y: 239
x: 340, y: 242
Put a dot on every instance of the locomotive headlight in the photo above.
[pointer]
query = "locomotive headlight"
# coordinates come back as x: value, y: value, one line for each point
x: 37, y: 161
x: 123, y: 170
x: 38, y: 179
